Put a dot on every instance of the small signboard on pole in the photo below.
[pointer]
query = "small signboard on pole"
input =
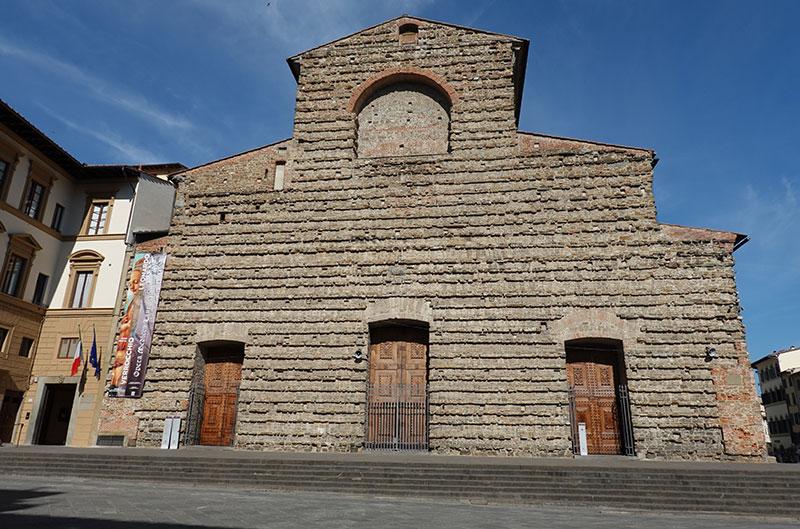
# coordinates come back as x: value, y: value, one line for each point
x: 172, y: 429
x: 582, y: 438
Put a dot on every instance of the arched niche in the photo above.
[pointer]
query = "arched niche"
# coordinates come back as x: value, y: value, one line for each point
x: 402, y: 114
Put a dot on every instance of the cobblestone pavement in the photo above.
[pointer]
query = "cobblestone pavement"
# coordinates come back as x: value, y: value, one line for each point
x: 27, y: 502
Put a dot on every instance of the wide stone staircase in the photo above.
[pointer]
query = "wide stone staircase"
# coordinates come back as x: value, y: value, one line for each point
x: 755, y: 489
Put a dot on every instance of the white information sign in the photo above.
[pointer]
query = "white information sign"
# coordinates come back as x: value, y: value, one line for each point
x: 582, y: 438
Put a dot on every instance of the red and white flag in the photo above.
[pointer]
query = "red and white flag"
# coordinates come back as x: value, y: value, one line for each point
x: 76, y: 358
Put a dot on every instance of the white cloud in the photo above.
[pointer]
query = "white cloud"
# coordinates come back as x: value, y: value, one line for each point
x: 96, y: 87
x: 301, y: 24
x: 771, y: 214
x: 131, y: 152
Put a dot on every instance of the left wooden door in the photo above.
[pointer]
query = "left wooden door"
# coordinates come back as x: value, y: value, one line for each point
x: 222, y: 378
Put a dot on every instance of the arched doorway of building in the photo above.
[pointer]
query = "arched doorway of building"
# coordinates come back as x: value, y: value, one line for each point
x: 599, y: 407
x: 214, y: 399
x: 397, y: 391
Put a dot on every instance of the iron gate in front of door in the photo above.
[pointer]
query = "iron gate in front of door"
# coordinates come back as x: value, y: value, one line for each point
x: 623, y: 442
x: 397, y: 417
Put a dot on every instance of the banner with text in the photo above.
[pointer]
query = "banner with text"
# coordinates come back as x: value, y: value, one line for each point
x: 136, y: 329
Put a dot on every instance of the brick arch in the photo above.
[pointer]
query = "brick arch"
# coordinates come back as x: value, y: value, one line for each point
x: 410, y: 74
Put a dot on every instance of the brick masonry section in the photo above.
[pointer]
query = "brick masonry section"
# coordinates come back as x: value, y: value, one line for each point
x: 507, y: 244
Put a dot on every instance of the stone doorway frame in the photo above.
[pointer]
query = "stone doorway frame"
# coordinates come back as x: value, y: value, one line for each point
x: 34, y: 424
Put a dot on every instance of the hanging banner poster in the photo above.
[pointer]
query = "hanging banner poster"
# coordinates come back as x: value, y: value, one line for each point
x: 136, y: 329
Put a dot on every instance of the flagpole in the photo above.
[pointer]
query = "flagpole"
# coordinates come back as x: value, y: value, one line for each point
x: 93, y: 351
x: 82, y: 382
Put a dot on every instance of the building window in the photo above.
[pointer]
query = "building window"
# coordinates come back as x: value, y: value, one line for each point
x: 97, y: 217
x: 408, y: 33
x: 21, y: 250
x: 25, y: 347
x: 4, y: 169
x: 16, y: 268
x: 280, y: 172
x: 58, y: 216
x: 67, y: 347
x: 3, y: 335
x: 34, y: 200
x: 85, y: 267
x: 41, y: 289
x: 82, y: 292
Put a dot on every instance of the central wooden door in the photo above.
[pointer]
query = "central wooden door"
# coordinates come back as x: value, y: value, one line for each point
x: 397, y: 405
x: 592, y: 379
x: 222, y: 377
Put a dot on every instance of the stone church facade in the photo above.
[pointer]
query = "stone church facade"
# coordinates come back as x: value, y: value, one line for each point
x: 410, y: 249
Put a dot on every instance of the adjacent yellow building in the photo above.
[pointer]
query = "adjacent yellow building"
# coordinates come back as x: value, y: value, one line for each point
x: 67, y: 231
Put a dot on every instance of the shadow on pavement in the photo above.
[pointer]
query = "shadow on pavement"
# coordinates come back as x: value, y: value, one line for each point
x: 26, y: 521
x: 18, y: 500
x: 15, y: 500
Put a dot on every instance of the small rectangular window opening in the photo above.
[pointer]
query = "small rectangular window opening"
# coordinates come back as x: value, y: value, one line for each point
x: 3, y: 173
x: 280, y: 171
x: 408, y: 33
x: 41, y: 289
x: 25, y: 347
x: 58, y: 216
x: 67, y: 347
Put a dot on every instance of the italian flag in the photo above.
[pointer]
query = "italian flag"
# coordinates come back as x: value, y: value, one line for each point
x: 76, y: 358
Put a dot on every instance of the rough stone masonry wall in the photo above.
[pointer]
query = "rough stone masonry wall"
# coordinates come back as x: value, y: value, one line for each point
x: 515, y: 242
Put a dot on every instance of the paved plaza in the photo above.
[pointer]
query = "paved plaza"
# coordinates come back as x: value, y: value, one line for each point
x: 66, y: 503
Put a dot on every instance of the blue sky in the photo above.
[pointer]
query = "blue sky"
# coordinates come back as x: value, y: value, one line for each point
x: 712, y: 86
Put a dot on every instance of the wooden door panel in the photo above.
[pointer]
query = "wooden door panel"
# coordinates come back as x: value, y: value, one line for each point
x: 593, y: 383
x: 211, y: 430
x: 397, y: 405
x: 222, y: 379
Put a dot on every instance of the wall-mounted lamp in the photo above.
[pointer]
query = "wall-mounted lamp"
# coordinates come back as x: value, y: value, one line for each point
x: 359, y: 356
x: 711, y: 354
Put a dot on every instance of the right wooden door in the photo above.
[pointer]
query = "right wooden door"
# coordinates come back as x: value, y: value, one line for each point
x: 592, y: 379
x: 222, y: 378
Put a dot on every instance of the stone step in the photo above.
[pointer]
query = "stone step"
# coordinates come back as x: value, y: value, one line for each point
x: 628, y: 478
x: 376, y: 482
x: 666, y: 502
x: 229, y: 462
x: 760, y: 490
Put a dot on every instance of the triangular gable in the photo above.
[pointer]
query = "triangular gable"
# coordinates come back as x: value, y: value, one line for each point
x: 402, y: 19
